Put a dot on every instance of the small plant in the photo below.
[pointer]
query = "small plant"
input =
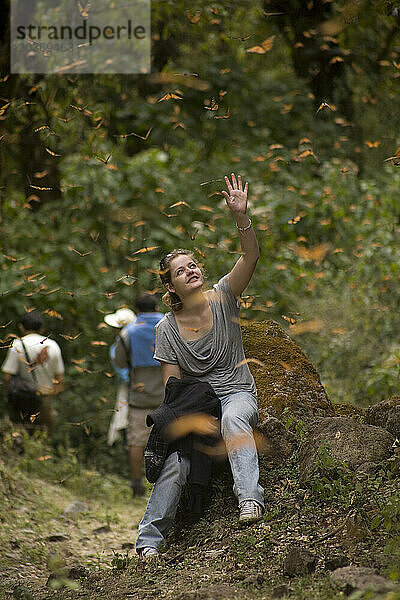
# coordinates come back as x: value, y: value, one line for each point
x: 291, y: 424
x: 388, y: 516
x: 21, y: 592
x: 332, y: 480
x: 392, y: 550
x: 120, y: 561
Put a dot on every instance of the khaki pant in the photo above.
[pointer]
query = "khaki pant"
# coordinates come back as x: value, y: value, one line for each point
x: 137, y: 432
x: 47, y: 415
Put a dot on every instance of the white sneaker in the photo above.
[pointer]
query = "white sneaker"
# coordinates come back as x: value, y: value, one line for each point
x: 148, y: 553
x: 249, y: 511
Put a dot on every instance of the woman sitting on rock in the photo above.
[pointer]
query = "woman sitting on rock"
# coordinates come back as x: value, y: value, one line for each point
x: 201, y: 338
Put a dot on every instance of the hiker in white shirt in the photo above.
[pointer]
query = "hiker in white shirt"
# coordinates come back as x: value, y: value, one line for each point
x: 35, y: 357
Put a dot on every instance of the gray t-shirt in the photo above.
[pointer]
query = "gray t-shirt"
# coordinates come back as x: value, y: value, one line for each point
x: 218, y: 356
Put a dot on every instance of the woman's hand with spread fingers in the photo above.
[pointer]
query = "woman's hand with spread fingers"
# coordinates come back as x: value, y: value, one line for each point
x: 236, y: 196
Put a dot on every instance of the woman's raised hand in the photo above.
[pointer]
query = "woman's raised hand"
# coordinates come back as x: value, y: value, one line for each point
x: 236, y: 196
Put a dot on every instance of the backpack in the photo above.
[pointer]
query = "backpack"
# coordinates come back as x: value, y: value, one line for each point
x: 23, y: 397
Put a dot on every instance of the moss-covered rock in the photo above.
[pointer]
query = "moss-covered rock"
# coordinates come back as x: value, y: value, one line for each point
x: 349, y: 411
x: 386, y: 414
x: 285, y: 377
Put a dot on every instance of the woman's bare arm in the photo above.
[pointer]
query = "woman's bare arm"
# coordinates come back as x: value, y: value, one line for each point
x: 168, y: 370
x: 236, y: 199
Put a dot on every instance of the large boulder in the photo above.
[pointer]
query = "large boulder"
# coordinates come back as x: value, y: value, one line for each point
x: 386, y: 414
x: 353, y: 578
x: 299, y: 561
x: 278, y: 442
x: 285, y: 378
x: 347, y: 441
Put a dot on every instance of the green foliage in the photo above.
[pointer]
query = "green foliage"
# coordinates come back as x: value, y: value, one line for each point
x: 392, y: 550
x: 135, y: 177
x: 59, y: 466
x: 296, y: 425
x: 372, y: 499
x: 21, y: 592
x: 332, y: 481
x: 120, y: 561
x: 374, y: 595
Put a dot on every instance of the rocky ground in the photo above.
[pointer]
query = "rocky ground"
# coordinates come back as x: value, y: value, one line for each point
x: 331, y: 526
x: 306, y: 535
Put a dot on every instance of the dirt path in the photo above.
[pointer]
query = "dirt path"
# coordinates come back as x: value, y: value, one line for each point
x: 214, y: 559
x: 36, y: 537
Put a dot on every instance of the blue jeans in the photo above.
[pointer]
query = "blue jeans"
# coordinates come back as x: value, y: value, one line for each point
x: 239, y: 416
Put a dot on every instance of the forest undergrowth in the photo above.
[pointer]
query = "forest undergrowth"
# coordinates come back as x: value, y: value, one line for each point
x: 340, y: 518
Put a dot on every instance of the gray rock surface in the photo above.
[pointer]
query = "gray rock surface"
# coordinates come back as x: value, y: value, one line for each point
x: 255, y: 579
x: 352, y: 578
x: 102, y: 529
x: 279, y: 442
x: 299, y: 561
x: 369, y: 468
x: 336, y: 562
x: 75, y: 508
x: 386, y: 414
x: 347, y: 442
x: 280, y: 591
x: 78, y: 572
x: 58, y: 537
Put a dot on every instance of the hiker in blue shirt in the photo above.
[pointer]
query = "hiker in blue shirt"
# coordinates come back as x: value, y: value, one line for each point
x: 134, y: 348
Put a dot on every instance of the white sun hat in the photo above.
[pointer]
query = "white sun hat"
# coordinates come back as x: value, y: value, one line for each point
x: 121, y: 317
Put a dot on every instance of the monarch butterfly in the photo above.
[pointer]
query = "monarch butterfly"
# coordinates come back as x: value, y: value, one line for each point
x: 84, y: 10
x: 325, y: 105
x: 171, y: 96
x: 213, y: 105
x: 396, y: 158
x: 290, y: 320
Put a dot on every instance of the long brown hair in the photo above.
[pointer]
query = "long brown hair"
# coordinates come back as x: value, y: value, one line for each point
x: 171, y: 299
